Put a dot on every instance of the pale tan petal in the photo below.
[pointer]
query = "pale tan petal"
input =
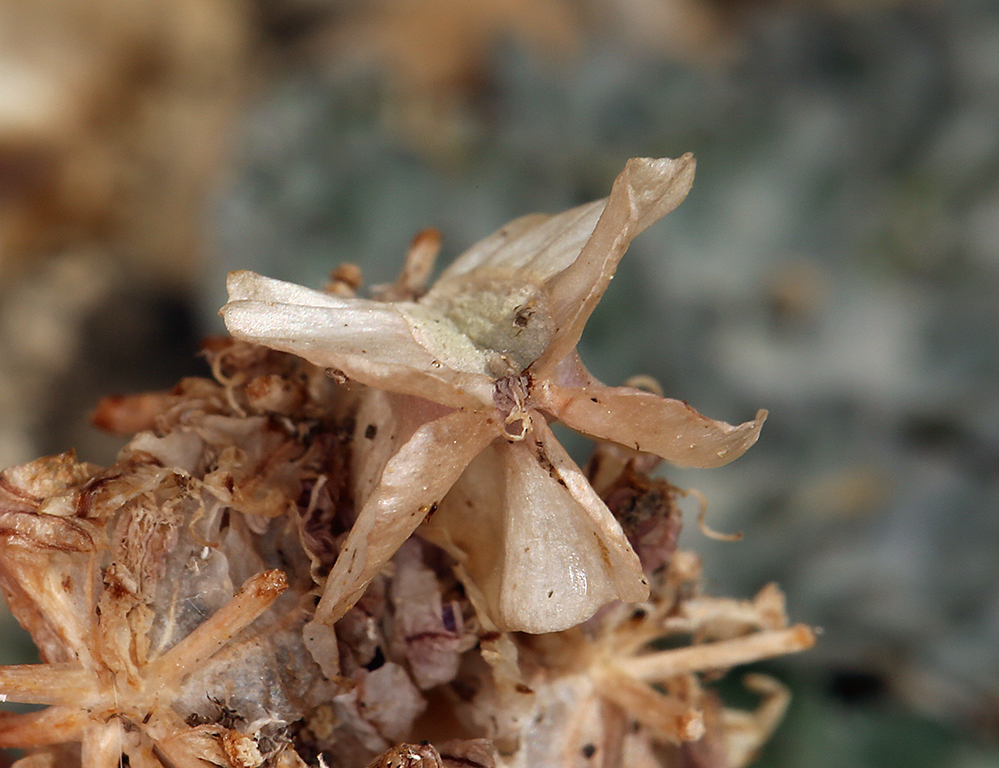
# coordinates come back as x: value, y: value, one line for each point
x: 401, y: 347
x: 538, y: 245
x: 469, y: 522
x: 244, y: 285
x: 538, y: 542
x: 644, y: 192
x: 413, y: 483
x: 549, y: 500
x: 649, y: 423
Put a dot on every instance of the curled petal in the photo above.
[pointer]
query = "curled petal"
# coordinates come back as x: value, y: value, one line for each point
x: 401, y: 347
x: 651, y: 424
x: 644, y: 192
x: 412, y: 484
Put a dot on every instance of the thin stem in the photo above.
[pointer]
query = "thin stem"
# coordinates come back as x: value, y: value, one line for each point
x: 663, y: 665
x: 60, y: 684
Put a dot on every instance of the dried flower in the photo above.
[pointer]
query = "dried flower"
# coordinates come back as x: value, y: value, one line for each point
x: 127, y: 579
x: 477, y: 367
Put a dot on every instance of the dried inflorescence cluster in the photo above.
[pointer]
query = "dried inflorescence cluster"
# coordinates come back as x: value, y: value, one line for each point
x: 242, y: 588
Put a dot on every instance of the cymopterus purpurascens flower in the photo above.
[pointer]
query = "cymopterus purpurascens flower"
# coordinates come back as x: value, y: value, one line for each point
x: 468, y: 376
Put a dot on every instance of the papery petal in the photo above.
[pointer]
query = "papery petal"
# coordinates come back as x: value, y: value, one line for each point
x: 414, y: 481
x: 644, y: 192
x: 585, y: 559
x: 401, y: 347
x: 534, y: 247
x: 651, y: 424
x: 384, y: 422
x: 537, y: 540
x: 469, y: 522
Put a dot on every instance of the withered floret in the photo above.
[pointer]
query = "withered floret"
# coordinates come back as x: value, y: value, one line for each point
x: 470, y: 374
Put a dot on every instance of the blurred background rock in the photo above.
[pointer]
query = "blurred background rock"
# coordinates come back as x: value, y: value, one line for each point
x: 837, y: 263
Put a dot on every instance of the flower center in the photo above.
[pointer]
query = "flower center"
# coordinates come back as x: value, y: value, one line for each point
x: 511, y: 399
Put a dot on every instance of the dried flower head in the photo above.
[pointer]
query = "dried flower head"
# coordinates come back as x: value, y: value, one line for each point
x: 469, y: 375
x: 128, y: 579
x: 153, y: 656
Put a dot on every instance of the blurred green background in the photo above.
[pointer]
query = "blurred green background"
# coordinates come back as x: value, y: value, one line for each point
x: 837, y: 263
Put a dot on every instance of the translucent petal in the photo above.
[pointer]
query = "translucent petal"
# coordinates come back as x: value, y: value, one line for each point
x: 414, y: 481
x: 538, y: 542
x: 534, y: 247
x: 644, y: 192
x: 649, y: 423
x: 401, y: 347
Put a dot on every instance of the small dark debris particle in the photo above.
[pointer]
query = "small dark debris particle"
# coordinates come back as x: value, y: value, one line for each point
x: 523, y: 316
x: 589, y: 750
x: 521, y: 688
x: 594, y: 400
x: 551, y: 592
x: 448, y: 618
x: 430, y: 512
x: 856, y: 687
x: 370, y: 431
x: 377, y: 661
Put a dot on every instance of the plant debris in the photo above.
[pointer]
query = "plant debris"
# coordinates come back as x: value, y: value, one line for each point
x: 179, y: 598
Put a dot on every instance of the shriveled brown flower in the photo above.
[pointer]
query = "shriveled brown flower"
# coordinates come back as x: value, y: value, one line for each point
x: 128, y: 579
